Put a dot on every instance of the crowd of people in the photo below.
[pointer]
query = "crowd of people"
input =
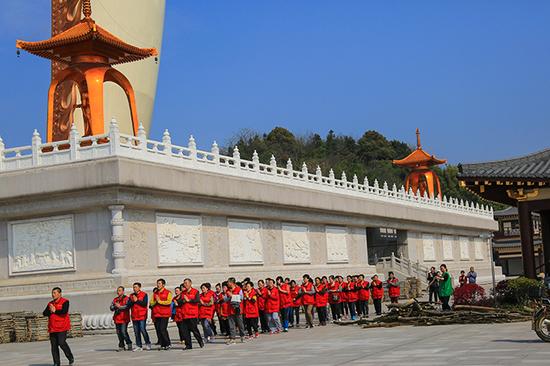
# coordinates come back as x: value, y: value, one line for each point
x: 440, y: 284
x: 234, y: 310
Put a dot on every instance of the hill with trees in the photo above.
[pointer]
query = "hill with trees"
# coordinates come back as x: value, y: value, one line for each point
x: 371, y: 155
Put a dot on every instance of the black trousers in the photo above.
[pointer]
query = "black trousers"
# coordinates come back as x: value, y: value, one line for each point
x: 377, y: 306
x: 161, y: 326
x: 251, y: 325
x: 59, y: 340
x: 362, y: 307
x: 263, y: 321
x: 181, y: 332
x: 335, y: 310
x: 295, y: 315
x: 322, y: 311
x: 434, y: 292
x: 445, y: 302
x: 191, y: 326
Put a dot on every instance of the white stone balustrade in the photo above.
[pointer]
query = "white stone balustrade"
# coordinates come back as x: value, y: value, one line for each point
x: 139, y: 147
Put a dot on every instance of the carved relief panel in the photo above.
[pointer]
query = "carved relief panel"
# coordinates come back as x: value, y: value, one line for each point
x: 480, y: 246
x: 245, y: 244
x: 337, y: 246
x: 41, y: 245
x: 428, y: 246
x: 179, y: 240
x: 296, y: 244
x: 464, y: 243
x: 448, y: 242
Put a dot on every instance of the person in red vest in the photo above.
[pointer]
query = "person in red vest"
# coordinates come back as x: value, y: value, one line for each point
x: 222, y: 308
x: 308, y: 299
x: 262, y: 297
x: 363, y: 296
x: 462, y: 279
x: 272, y: 306
x: 234, y: 296
x: 353, y: 296
x: 178, y: 313
x: 296, y: 304
x: 59, y: 324
x: 206, y: 311
x: 285, y: 301
x: 251, y: 311
x: 394, y: 291
x: 138, y: 305
x: 344, y: 310
x: 121, y: 317
x: 161, y: 305
x: 190, y: 299
x: 334, y: 297
x: 321, y: 300
x: 377, y: 291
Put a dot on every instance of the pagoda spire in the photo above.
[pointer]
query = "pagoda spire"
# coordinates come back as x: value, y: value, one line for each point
x: 87, y: 8
x: 418, y: 144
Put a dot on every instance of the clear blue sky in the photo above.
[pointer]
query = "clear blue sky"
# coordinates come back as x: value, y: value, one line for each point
x: 473, y: 75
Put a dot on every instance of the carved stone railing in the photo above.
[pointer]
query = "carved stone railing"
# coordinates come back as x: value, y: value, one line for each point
x: 402, y: 265
x: 139, y: 147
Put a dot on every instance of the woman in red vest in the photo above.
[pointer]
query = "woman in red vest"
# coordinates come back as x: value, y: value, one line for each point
x: 161, y: 309
x: 251, y: 311
x: 59, y: 324
x: 296, y: 303
x: 272, y: 306
x: 121, y: 317
x: 178, y: 316
x: 363, y: 295
x: 334, y: 297
x: 377, y: 291
x: 262, y: 297
x: 308, y: 299
x: 344, y: 310
x: 321, y: 300
x: 191, y: 300
x: 285, y: 301
x: 352, y: 296
x: 206, y: 311
x: 394, y: 291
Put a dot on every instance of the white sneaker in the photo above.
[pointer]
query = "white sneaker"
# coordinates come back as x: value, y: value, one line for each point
x: 148, y: 347
x: 137, y: 349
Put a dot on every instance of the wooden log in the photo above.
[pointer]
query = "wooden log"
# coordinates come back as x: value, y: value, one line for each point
x: 476, y: 308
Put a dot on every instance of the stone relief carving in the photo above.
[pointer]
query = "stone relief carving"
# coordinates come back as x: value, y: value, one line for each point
x: 428, y: 247
x: 479, y: 248
x: 179, y: 239
x: 337, y: 246
x: 464, y: 250
x: 41, y: 245
x: 245, y: 243
x: 296, y: 244
x: 448, y: 242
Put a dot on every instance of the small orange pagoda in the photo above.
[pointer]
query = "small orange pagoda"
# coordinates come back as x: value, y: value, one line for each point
x: 421, y: 179
x: 89, y: 52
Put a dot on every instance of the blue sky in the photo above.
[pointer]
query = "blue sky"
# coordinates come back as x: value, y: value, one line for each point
x: 473, y: 75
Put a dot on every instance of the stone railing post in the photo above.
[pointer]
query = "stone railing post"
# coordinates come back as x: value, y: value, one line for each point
x: 73, y: 141
x: 36, y: 142
x: 117, y: 238
x: 392, y: 259
x: 142, y: 137
x: 256, y: 161
x: 216, y: 152
x: 2, y: 148
x: 237, y: 158
x: 114, y: 137
x: 192, y: 146
x: 167, y: 143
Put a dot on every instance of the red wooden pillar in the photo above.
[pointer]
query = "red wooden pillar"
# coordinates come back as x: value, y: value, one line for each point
x: 527, y: 247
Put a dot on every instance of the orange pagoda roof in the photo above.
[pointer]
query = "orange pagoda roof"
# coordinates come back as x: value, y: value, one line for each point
x: 86, y: 38
x: 418, y: 158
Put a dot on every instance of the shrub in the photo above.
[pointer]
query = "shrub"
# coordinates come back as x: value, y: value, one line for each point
x: 470, y: 294
x: 517, y: 291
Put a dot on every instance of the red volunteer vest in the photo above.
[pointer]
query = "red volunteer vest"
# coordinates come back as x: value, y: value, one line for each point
x: 262, y: 296
x: 207, y: 312
x: 377, y: 293
x: 190, y: 309
x: 59, y: 323
x: 308, y: 299
x: 293, y: 294
x: 353, y: 296
x: 251, y: 305
x: 285, y: 299
x: 392, y: 290
x: 235, y: 291
x: 121, y: 316
x: 272, y: 305
x: 364, y: 293
x: 178, y: 317
x: 162, y: 311
x: 333, y: 297
x: 321, y: 300
x: 139, y: 312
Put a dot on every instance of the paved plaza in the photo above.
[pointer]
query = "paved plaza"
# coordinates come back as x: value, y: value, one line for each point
x: 498, y: 344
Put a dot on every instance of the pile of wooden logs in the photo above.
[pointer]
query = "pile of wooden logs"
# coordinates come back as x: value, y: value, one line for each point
x: 411, y: 288
x: 32, y: 327
x: 418, y: 313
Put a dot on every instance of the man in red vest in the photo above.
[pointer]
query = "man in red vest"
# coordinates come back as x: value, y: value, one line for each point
x: 191, y: 300
x: 234, y: 296
x: 394, y: 291
x: 139, y: 303
x: 161, y: 305
x: 121, y: 317
x: 377, y: 291
x: 285, y: 301
x: 272, y: 306
x: 262, y: 297
x: 364, y: 295
x: 59, y: 324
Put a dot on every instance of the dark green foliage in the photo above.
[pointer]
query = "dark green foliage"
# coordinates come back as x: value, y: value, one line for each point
x: 371, y: 155
x: 518, y: 291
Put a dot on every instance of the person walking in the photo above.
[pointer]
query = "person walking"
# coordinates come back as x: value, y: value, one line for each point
x: 121, y: 317
x: 352, y: 295
x: 377, y: 292
x: 321, y: 300
x: 161, y: 309
x: 433, y: 285
x: 334, y: 297
x: 296, y: 304
x: 272, y: 306
x: 308, y: 299
x: 445, y: 287
x: 234, y: 296
x: 262, y: 297
x: 59, y: 323
x: 138, y: 309
x: 394, y: 291
x: 364, y: 296
x: 191, y: 300
x: 285, y: 302
x: 178, y: 312
x: 206, y: 311
x: 251, y: 311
